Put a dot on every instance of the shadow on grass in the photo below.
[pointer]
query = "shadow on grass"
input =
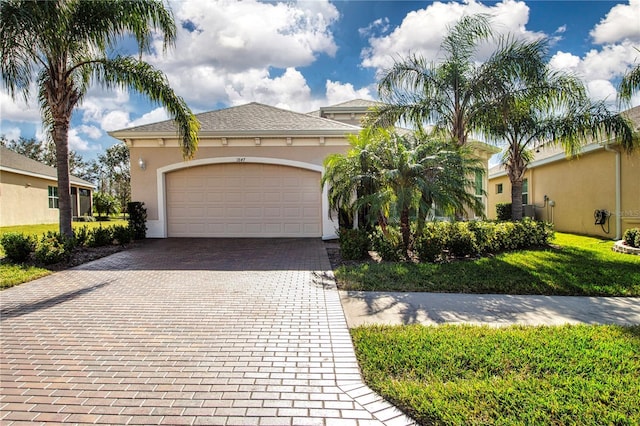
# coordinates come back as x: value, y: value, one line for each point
x: 565, y: 271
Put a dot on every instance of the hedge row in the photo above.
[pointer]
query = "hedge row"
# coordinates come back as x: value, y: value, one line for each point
x: 54, y: 247
x: 438, y: 241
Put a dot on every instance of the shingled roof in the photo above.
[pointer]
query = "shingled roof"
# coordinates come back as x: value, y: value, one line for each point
x: 11, y: 161
x: 252, y: 118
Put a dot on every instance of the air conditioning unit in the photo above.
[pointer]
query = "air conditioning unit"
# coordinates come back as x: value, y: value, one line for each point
x: 529, y: 210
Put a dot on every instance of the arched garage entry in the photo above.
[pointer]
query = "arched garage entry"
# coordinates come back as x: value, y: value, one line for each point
x: 244, y: 197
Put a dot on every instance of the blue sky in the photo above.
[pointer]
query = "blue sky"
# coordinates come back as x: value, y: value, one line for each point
x: 302, y: 55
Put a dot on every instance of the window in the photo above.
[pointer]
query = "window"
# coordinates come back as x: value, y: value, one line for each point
x: 525, y: 191
x: 53, y: 197
x: 499, y: 188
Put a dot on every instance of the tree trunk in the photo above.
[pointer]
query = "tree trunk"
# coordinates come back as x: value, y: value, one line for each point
x: 516, y: 199
x: 405, y: 230
x: 60, y: 133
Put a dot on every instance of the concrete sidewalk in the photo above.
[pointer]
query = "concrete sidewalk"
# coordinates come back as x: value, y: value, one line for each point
x: 363, y: 308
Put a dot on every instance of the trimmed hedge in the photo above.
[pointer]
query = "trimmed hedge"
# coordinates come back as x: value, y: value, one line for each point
x: 632, y: 237
x: 439, y: 241
x: 53, y: 247
x: 17, y: 247
x: 503, y: 211
x: 354, y: 244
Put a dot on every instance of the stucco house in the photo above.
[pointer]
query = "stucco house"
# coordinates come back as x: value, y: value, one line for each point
x: 29, y: 191
x: 570, y: 191
x: 256, y: 172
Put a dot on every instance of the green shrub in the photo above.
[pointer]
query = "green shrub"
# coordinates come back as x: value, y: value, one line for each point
x: 461, y: 241
x: 54, y: 248
x: 388, y: 244
x: 122, y: 234
x: 354, y: 244
x: 484, y: 233
x: 137, y: 219
x: 429, y: 245
x: 503, y: 211
x: 81, y: 235
x: 632, y: 237
x: 17, y: 247
x: 99, y: 237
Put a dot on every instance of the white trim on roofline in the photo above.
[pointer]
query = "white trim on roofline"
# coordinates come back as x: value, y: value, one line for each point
x: 41, y: 176
x: 158, y: 228
x: 552, y: 159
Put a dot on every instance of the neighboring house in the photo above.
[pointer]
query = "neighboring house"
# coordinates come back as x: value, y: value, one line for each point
x: 29, y: 191
x: 256, y: 172
x: 571, y: 192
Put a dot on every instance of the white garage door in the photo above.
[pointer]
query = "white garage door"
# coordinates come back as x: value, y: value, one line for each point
x: 243, y: 200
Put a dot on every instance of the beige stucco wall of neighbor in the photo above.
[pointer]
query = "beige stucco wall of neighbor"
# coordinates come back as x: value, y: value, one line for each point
x: 308, y: 152
x: 578, y: 187
x: 24, y: 200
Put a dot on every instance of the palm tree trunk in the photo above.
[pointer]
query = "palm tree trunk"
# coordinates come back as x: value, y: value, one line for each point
x: 60, y: 133
x: 516, y: 199
x: 405, y: 229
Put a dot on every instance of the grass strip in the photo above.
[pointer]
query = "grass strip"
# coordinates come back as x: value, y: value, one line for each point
x: 471, y: 375
x: 11, y: 275
x: 576, y: 265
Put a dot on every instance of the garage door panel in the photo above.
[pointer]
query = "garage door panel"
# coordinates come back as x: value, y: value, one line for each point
x: 250, y: 200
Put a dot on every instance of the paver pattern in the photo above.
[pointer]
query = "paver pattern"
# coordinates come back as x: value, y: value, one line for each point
x: 186, y: 331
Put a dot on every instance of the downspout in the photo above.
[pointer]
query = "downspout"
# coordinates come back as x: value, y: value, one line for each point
x: 618, y: 191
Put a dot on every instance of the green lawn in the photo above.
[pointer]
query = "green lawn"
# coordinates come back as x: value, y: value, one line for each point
x: 470, y: 375
x: 582, y: 266
x: 11, y: 275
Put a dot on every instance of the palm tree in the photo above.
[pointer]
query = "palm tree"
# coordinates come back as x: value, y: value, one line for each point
x: 399, y: 178
x: 630, y: 84
x: 450, y: 93
x: 62, y: 46
x: 554, y: 110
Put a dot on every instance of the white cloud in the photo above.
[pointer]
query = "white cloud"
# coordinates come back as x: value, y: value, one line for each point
x: 11, y: 133
x: 601, y: 90
x: 233, y: 36
x: 91, y: 131
x: 341, y: 92
x: 621, y: 23
x: 114, y: 120
x: 153, y: 116
x: 19, y: 110
x: 423, y: 30
x: 379, y: 26
x: 289, y: 91
x: 226, y: 50
x: 599, y: 69
x: 77, y: 143
x: 564, y: 61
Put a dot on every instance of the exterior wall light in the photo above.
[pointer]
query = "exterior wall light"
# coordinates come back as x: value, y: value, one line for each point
x: 142, y: 164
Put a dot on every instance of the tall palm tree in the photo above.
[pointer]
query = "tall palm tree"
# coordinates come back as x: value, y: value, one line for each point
x: 450, y: 93
x: 63, y: 46
x: 521, y: 113
x: 399, y: 177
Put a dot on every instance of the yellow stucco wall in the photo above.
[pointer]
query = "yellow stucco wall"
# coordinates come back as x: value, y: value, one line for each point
x: 578, y: 187
x: 24, y: 200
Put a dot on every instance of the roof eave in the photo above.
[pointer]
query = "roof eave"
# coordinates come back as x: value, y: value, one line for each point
x: 238, y: 134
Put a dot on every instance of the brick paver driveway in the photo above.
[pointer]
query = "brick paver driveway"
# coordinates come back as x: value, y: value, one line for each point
x: 186, y: 331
